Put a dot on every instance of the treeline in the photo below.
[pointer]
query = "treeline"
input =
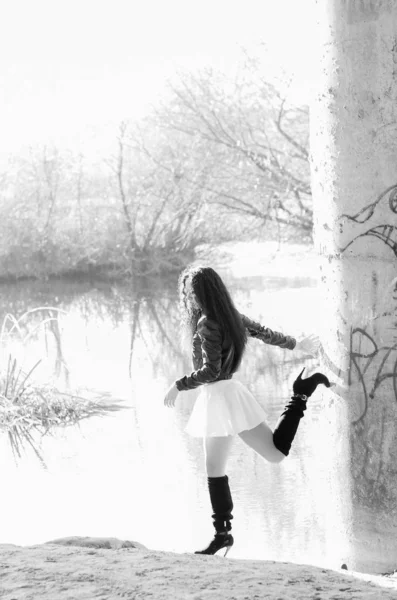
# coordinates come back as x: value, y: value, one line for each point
x: 221, y: 158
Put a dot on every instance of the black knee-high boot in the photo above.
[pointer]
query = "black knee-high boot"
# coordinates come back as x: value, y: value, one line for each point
x: 289, y: 420
x: 288, y: 423
x: 222, y: 506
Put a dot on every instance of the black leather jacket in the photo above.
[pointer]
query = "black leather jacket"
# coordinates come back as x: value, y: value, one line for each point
x: 212, y: 358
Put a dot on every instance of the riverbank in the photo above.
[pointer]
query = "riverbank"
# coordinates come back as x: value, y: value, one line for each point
x: 156, y: 262
x: 248, y: 258
x: 52, y: 571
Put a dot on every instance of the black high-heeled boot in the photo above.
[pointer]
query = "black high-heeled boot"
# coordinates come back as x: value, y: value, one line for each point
x: 222, y: 506
x: 288, y: 423
x: 220, y: 541
x: 289, y: 420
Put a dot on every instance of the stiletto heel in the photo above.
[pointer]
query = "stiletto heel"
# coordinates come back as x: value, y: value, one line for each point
x: 220, y: 541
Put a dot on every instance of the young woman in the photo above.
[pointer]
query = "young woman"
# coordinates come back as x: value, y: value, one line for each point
x: 225, y: 407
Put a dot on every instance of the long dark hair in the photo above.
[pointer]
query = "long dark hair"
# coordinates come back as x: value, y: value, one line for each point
x: 214, y: 301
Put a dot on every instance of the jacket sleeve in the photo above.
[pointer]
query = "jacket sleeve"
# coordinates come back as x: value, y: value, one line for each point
x: 266, y: 335
x: 211, y: 348
x: 197, y: 352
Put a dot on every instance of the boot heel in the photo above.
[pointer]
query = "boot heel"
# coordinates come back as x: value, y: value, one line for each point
x: 226, y: 551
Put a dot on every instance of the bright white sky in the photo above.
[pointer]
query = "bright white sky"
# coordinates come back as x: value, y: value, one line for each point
x: 69, y: 64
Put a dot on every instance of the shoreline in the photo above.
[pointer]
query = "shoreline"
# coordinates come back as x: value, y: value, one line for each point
x: 268, y: 255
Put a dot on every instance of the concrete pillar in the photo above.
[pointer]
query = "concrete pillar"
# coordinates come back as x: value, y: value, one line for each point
x: 354, y: 178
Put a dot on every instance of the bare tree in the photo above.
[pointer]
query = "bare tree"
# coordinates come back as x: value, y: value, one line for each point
x: 160, y: 212
x: 258, y: 144
x: 50, y: 165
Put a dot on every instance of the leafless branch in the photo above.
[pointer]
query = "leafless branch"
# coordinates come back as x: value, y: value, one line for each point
x: 304, y: 152
x: 120, y: 173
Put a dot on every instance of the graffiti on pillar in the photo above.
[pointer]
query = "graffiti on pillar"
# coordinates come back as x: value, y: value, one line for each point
x: 367, y: 212
x: 371, y: 365
x: 385, y: 232
x: 369, y: 359
x: 372, y: 362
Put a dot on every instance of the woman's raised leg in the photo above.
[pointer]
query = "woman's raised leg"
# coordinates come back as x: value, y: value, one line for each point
x: 260, y: 439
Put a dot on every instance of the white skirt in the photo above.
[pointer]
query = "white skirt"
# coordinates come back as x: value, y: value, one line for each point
x: 223, y: 408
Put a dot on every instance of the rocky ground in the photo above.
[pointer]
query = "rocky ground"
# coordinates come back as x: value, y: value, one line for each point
x: 107, y: 568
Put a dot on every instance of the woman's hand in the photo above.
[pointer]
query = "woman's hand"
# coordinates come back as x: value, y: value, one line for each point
x: 170, y: 396
x: 309, y: 344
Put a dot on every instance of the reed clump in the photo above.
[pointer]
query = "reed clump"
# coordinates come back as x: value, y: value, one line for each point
x: 29, y: 410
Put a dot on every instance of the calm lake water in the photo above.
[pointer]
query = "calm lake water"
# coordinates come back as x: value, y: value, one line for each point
x: 136, y: 474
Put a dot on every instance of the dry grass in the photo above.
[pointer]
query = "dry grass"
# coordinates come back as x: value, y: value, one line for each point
x: 30, y: 410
